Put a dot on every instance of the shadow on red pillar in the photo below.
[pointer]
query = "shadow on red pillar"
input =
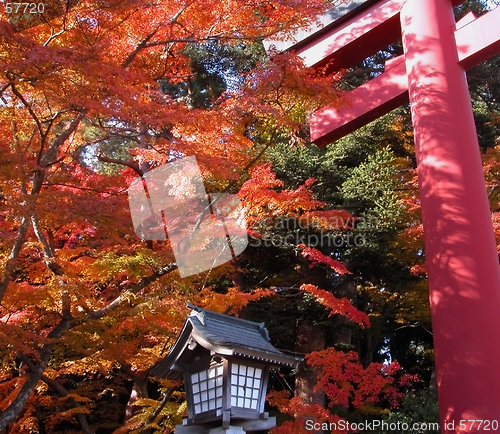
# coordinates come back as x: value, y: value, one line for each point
x: 464, y: 274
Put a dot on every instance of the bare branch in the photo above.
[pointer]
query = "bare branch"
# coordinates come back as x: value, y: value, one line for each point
x: 59, y: 388
x: 48, y: 252
x: 161, y: 405
x: 4, y: 88
x: 78, y: 187
x: 17, y: 405
x: 144, y: 43
x: 16, y: 92
x: 8, y: 273
x: 47, y: 158
x: 141, y: 284
x: 132, y: 164
x: 53, y: 36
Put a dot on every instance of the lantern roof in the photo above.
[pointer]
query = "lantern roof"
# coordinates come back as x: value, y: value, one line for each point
x: 221, y: 335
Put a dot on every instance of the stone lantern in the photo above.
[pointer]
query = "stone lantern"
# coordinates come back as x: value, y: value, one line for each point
x: 225, y: 362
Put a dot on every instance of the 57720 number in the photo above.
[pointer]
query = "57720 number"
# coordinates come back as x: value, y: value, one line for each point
x: 25, y: 8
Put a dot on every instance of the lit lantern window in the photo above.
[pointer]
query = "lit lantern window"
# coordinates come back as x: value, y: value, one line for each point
x: 225, y: 363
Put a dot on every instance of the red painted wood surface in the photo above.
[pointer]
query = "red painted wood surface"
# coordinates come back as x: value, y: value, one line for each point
x: 389, y: 90
x: 364, y: 104
x: 357, y: 38
x: 462, y: 260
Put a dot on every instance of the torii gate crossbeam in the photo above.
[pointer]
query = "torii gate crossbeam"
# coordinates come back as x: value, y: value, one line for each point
x: 463, y: 267
x: 390, y: 89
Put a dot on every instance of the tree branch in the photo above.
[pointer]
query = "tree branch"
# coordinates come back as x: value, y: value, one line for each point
x: 158, y: 409
x: 77, y: 187
x: 17, y: 405
x: 54, y: 35
x: 31, y: 112
x: 21, y: 236
x: 144, y: 43
x: 233, y: 183
x: 141, y: 284
x: 8, y: 273
x: 132, y: 164
x: 67, y: 322
x: 140, y: 46
x: 59, y: 388
x: 47, y: 158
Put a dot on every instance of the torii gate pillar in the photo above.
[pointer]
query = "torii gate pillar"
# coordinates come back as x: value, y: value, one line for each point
x: 462, y: 260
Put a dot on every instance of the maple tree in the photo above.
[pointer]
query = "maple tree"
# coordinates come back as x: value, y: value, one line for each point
x: 348, y: 386
x: 82, y: 297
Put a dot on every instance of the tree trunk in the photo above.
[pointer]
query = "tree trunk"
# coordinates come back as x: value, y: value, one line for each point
x: 139, y: 390
x: 15, y: 408
x: 309, y: 338
x: 343, y: 331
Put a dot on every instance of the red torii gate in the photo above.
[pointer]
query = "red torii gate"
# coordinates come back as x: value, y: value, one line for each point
x: 462, y: 260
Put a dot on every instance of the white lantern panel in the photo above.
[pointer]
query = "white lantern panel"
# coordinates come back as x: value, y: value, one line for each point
x: 207, y: 389
x: 245, y: 386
